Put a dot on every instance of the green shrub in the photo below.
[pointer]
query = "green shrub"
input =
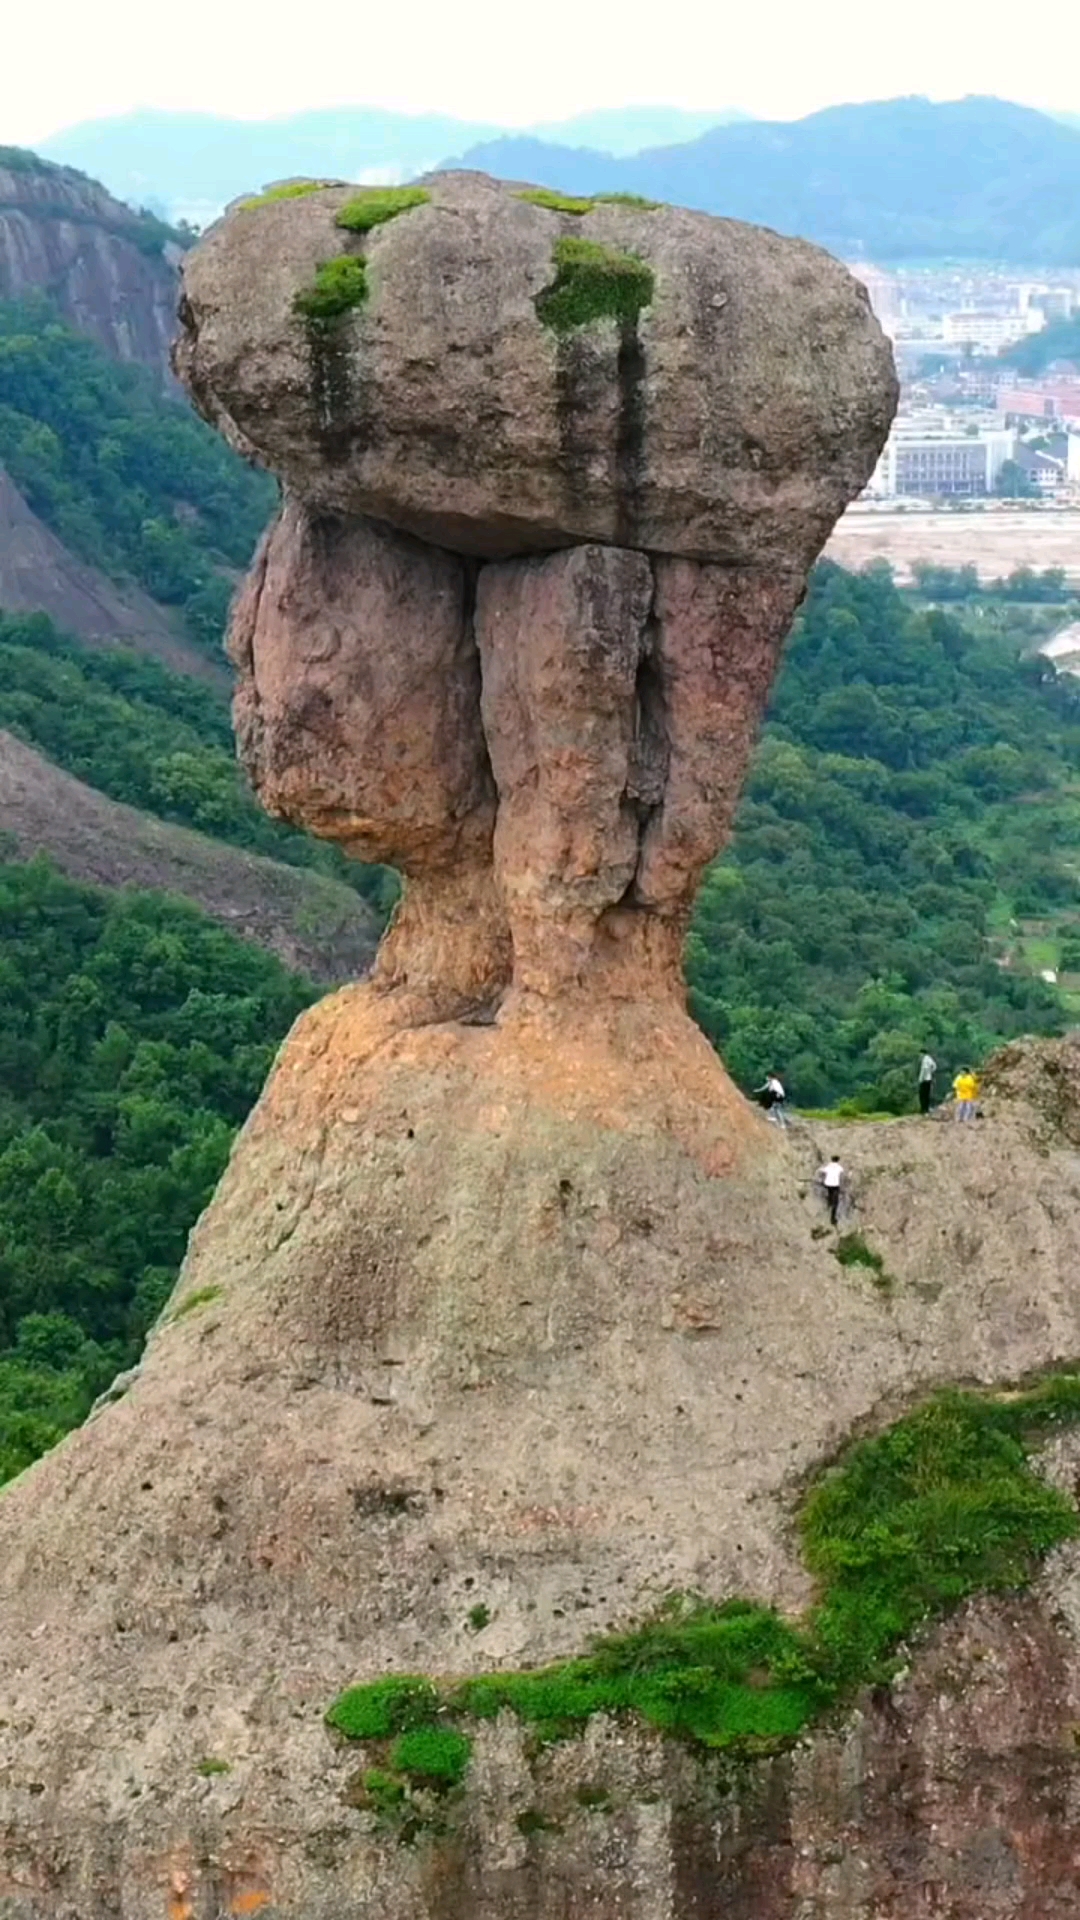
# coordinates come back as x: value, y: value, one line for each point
x: 338, y: 288
x: 594, y: 283
x: 432, y: 1756
x: 479, y: 1617
x: 290, y: 190
x: 852, y: 1251
x: 209, y: 1767
x: 942, y: 1505
x: 373, y: 206
x: 384, y: 1708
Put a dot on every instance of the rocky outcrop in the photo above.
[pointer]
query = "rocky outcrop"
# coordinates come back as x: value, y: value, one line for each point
x: 110, y: 271
x: 556, y: 739
x: 727, y: 418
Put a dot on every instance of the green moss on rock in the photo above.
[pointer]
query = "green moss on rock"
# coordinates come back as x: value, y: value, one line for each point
x: 557, y: 202
x: 373, y: 206
x: 338, y: 288
x: 594, y: 283
x: 202, y: 1297
x: 909, y: 1524
x: 289, y: 190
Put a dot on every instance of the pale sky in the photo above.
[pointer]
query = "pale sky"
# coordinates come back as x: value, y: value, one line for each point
x: 500, y: 61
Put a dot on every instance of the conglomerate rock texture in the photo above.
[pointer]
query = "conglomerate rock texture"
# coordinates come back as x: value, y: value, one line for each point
x: 510, y: 1316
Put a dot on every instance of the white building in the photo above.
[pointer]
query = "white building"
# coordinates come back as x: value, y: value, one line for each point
x: 988, y: 332
x: 1072, y: 463
x: 930, y: 457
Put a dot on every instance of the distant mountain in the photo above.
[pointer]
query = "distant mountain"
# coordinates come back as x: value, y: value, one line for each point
x: 891, y: 180
x: 189, y: 165
x: 625, y: 130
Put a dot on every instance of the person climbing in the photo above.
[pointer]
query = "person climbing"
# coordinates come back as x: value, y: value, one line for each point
x: 927, y: 1070
x: 966, y: 1090
x: 773, y: 1096
x: 831, y: 1179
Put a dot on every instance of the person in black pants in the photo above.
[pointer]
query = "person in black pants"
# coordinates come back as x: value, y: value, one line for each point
x: 927, y: 1070
x: 831, y: 1176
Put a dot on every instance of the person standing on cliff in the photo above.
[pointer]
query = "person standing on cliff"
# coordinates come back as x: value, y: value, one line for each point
x: 966, y: 1090
x: 831, y: 1179
x: 927, y: 1070
x: 773, y: 1097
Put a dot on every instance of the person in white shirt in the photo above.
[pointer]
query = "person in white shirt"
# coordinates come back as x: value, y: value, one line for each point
x: 831, y: 1178
x: 927, y: 1070
x: 773, y: 1097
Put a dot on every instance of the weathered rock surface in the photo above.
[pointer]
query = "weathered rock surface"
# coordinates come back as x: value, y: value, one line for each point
x: 501, y: 1318
x: 98, y: 260
x: 731, y: 422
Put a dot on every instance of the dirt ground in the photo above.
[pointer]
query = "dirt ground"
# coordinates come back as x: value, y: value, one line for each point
x: 993, y: 540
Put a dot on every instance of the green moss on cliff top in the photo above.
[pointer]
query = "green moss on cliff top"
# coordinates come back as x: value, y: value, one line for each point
x: 910, y: 1523
x: 584, y: 203
x: 289, y: 190
x: 594, y: 283
x: 372, y: 206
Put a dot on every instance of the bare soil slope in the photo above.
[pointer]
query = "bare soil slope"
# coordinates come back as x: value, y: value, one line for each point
x: 311, y: 923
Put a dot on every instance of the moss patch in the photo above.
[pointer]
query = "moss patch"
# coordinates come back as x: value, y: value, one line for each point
x: 338, y: 288
x: 584, y: 203
x: 594, y: 283
x: 942, y: 1505
x: 557, y: 202
x: 373, y: 206
x: 291, y: 190
x: 202, y: 1297
x: 852, y: 1251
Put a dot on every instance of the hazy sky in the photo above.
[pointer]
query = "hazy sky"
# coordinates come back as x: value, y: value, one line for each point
x: 501, y: 61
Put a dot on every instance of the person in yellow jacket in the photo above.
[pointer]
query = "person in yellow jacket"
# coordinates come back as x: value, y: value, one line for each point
x: 966, y: 1089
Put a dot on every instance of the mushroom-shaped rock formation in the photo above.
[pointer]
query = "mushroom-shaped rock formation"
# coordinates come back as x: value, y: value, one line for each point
x: 555, y: 472
x: 504, y: 1322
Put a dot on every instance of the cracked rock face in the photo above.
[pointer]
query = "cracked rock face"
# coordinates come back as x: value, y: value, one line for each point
x: 516, y: 625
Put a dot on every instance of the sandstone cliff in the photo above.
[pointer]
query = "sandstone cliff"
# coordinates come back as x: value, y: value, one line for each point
x: 110, y: 271
x: 510, y: 1317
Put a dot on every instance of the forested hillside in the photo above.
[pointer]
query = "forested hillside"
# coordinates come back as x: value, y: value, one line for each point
x: 128, y: 480
x: 916, y: 788
x: 134, y: 1036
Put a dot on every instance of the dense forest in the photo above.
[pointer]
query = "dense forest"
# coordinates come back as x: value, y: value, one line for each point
x: 134, y: 1037
x: 130, y: 481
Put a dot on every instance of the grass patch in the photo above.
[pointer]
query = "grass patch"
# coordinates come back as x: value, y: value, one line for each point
x: 202, y: 1297
x: 584, y: 203
x: 594, y: 283
x: 907, y: 1525
x: 373, y: 206
x: 852, y: 1251
x: 557, y: 202
x: 338, y: 288
x: 209, y: 1767
x: 290, y: 190
x: 478, y: 1617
